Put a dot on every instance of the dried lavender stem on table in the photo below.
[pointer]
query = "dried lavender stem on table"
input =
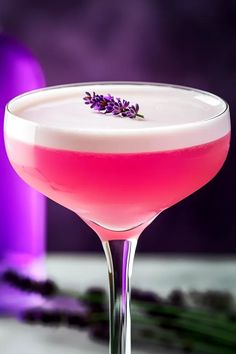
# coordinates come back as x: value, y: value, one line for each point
x: 208, y: 327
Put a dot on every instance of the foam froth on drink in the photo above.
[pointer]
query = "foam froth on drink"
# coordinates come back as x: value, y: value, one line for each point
x: 174, y: 118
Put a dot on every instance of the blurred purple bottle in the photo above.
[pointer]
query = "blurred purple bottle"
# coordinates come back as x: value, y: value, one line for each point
x: 22, y: 210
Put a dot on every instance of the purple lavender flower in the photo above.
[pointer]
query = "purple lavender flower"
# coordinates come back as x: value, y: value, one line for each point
x: 88, y: 98
x: 132, y: 112
x: 120, y: 107
x: 100, y: 104
x: 110, y: 105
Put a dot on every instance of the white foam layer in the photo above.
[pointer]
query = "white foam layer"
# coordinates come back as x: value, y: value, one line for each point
x: 175, y: 117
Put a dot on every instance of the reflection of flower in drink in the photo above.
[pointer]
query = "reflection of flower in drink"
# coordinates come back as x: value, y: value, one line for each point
x: 109, y: 104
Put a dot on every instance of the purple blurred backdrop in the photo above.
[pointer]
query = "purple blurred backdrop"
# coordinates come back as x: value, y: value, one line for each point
x: 176, y: 41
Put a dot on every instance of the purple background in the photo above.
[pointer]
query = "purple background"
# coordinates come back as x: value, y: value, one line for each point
x: 176, y: 41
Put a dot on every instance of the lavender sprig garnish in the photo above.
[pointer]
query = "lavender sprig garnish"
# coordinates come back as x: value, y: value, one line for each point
x: 115, y: 106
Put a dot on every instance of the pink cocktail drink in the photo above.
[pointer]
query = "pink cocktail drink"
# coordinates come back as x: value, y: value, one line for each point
x: 118, y: 191
x: 118, y: 173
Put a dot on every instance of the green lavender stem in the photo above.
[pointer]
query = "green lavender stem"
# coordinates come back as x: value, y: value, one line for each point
x: 215, y: 325
x: 201, y: 340
x: 199, y: 332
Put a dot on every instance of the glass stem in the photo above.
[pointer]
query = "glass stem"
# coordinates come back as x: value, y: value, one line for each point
x: 120, y: 257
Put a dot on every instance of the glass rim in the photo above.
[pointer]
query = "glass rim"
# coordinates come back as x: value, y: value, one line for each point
x: 134, y: 83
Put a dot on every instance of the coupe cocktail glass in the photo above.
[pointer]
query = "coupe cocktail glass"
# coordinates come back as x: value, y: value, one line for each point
x: 117, y: 173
